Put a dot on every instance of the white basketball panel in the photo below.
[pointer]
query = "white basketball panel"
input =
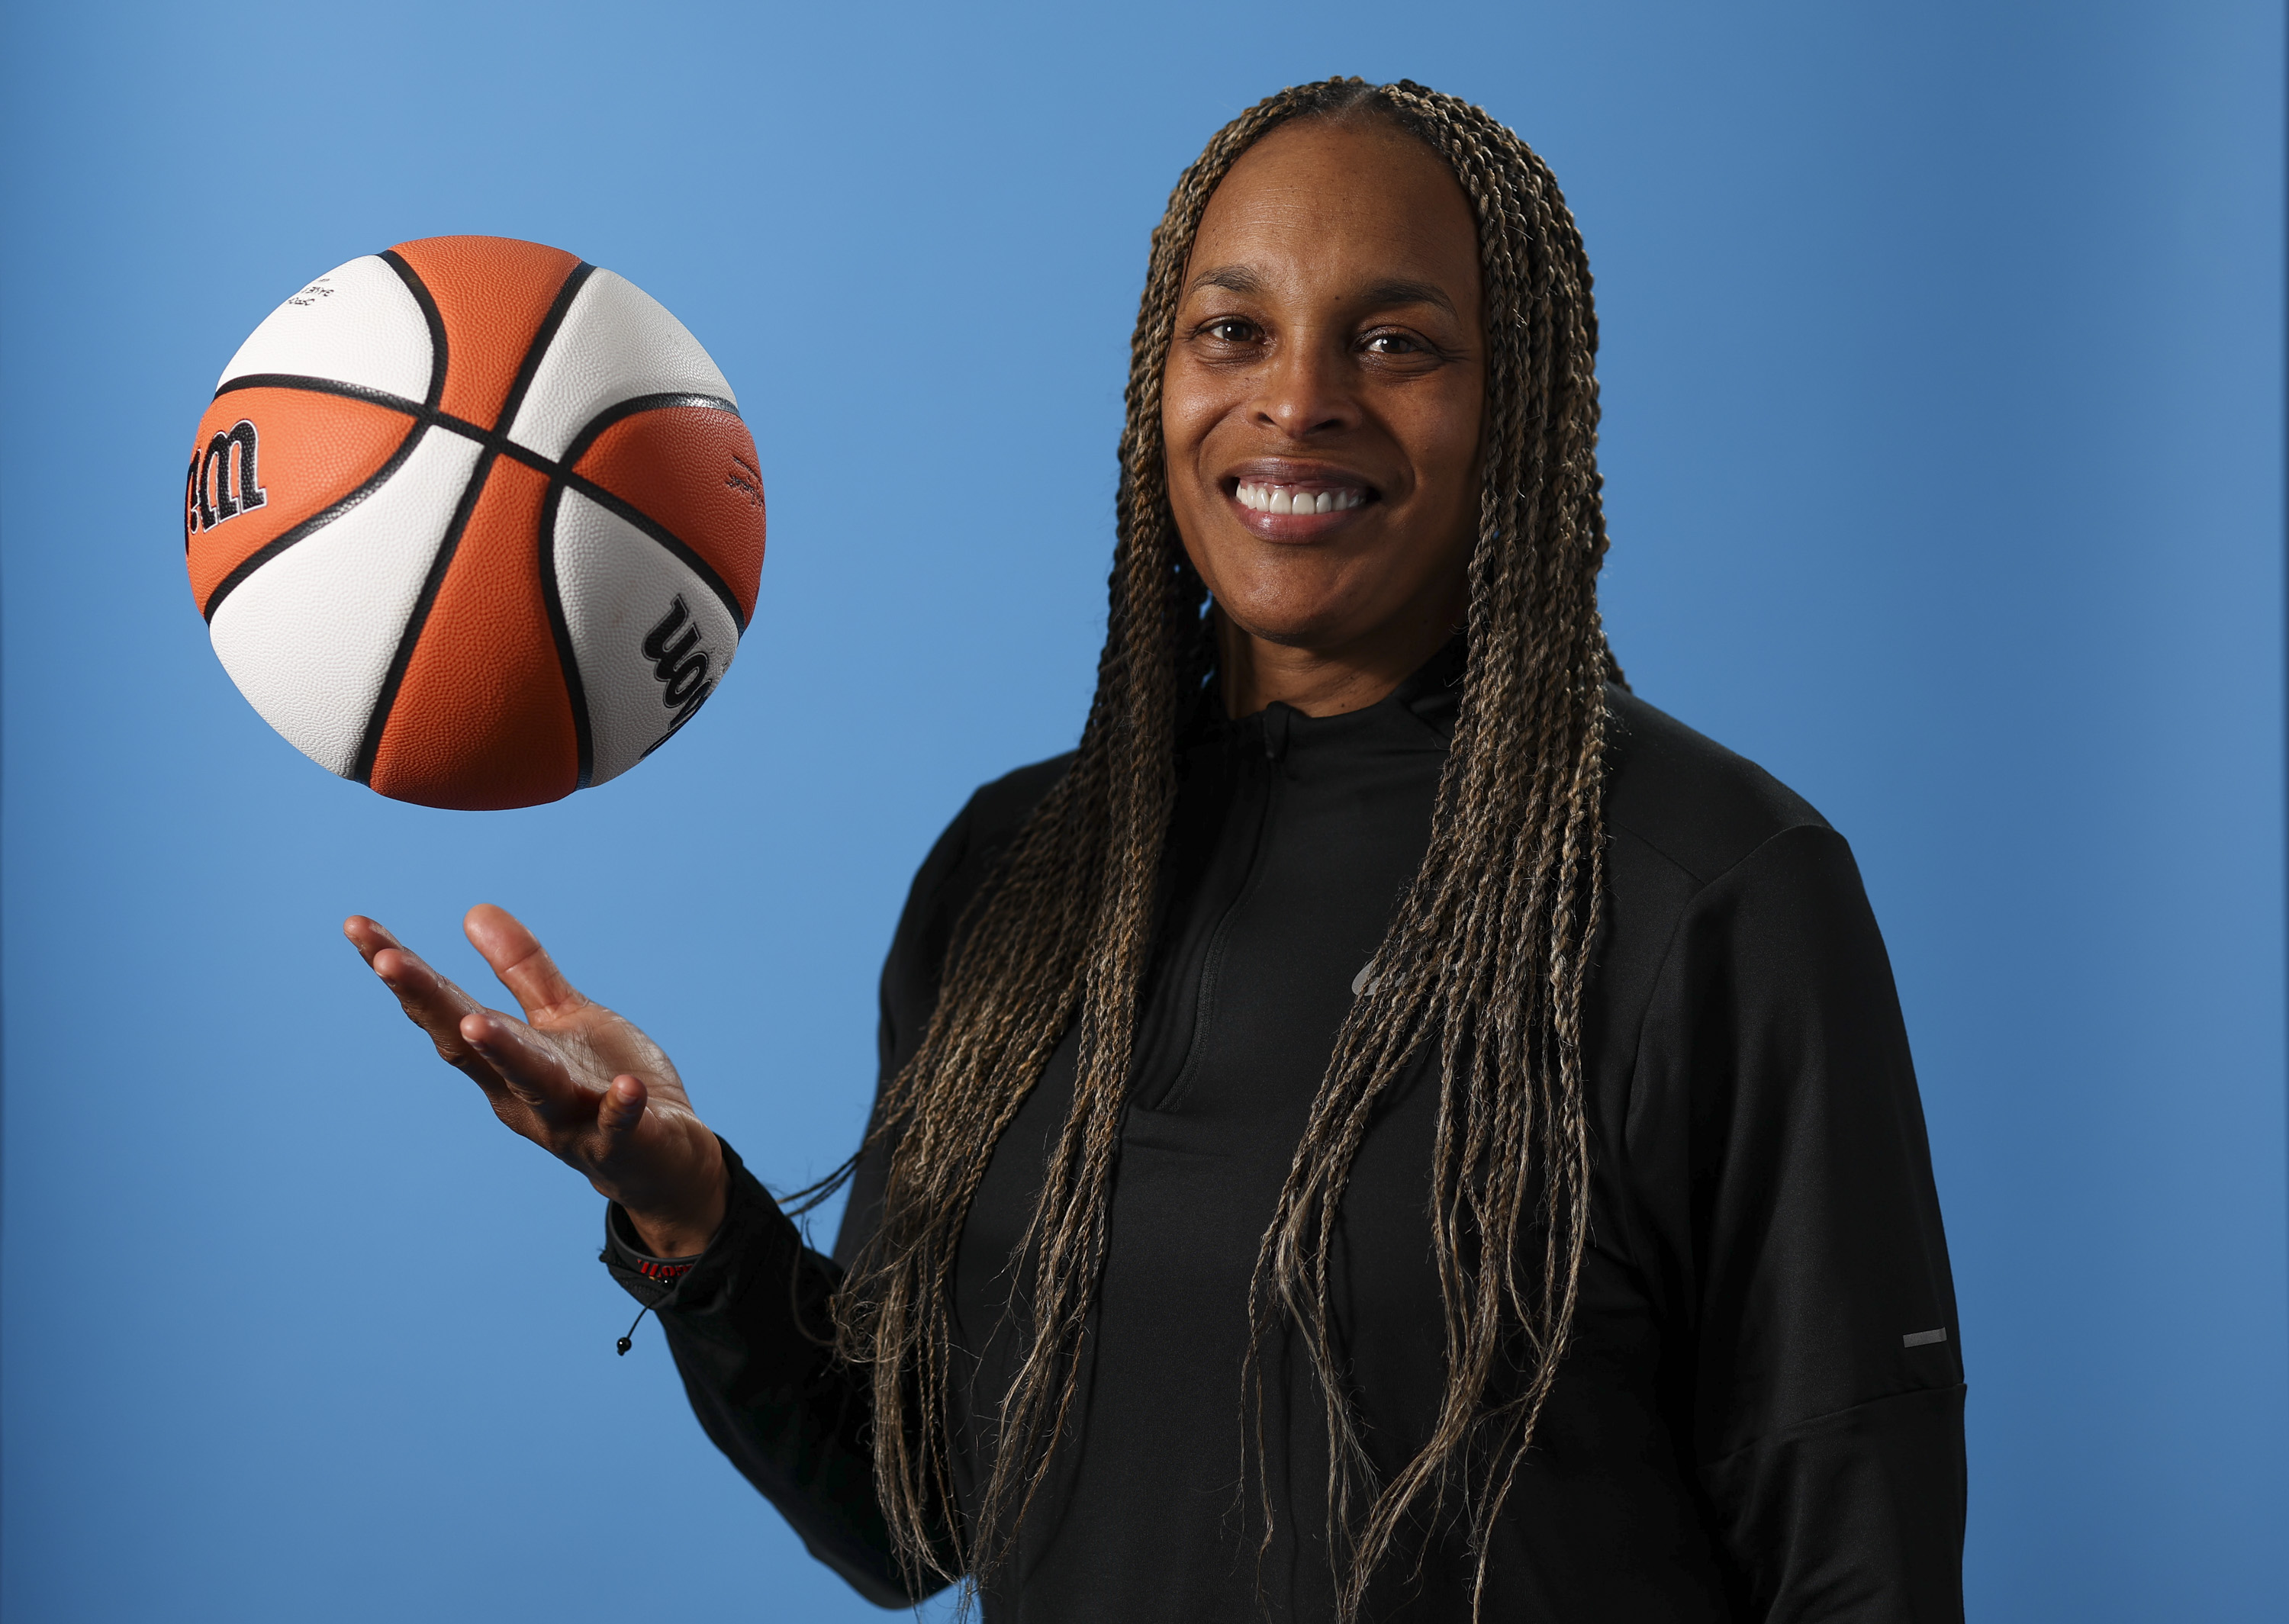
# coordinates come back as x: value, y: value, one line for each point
x: 620, y: 587
x: 359, y: 323
x: 616, y: 343
x: 308, y: 636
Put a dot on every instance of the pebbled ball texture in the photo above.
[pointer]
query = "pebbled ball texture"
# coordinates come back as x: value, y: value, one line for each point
x: 474, y: 522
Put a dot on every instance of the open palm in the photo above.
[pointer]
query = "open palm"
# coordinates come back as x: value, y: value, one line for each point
x: 583, y: 1083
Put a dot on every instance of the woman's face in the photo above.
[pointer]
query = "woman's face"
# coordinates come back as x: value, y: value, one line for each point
x: 1325, y: 389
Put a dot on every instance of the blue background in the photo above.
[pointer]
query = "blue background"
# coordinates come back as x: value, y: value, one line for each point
x: 1943, y: 383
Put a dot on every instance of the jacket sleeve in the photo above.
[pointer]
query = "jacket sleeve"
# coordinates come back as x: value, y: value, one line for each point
x: 749, y: 1324
x: 1777, y: 1102
x: 750, y: 1332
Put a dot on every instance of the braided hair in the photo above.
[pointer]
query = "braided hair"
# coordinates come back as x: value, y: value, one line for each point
x: 1481, y: 974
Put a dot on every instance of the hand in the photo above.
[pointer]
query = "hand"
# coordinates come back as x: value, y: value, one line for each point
x: 575, y: 1079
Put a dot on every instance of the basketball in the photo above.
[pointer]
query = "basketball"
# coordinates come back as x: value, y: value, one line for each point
x: 474, y: 522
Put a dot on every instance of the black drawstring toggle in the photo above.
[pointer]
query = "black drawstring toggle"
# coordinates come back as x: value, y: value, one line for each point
x: 629, y: 1340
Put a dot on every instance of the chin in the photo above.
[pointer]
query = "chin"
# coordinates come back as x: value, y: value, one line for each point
x: 1301, y: 602
x: 1294, y: 625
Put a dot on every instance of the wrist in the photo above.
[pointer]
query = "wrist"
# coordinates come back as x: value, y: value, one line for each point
x: 670, y: 1238
x: 685, y: 1230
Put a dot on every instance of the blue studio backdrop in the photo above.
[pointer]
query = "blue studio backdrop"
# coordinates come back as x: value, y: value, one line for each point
x: 1943, y: 389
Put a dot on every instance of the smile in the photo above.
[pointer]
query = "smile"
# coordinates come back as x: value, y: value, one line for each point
x: 1268, y: 498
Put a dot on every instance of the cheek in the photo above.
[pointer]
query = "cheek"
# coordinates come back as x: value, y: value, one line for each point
x: 1445, y: 443
x: 1460, y: 422
x: 1187, y: 413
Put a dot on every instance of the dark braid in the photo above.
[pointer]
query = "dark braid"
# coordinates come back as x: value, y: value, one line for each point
x: 1485, y: 962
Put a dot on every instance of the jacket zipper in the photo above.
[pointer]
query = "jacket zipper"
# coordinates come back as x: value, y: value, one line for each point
x: 1274, y: 723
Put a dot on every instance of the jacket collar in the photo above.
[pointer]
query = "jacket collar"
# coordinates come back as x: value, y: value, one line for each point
x: 1432, y: 696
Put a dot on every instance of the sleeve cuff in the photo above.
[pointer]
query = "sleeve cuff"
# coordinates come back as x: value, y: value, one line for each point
x: 650, y: 1279
x: 750, y: 1217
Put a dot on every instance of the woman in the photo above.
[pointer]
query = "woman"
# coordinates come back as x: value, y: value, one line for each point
x: 1393, y: 1126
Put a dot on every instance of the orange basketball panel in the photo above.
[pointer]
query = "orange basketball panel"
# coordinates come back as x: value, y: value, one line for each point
x: 692, y: 470
x: 482, y: 720
x: 264, y: 460
x: 492, y: 294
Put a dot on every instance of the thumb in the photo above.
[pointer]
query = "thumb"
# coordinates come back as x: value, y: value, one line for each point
x: 620, y: 1111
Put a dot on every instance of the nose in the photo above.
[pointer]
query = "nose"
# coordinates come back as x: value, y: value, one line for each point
x: 1305, y: 391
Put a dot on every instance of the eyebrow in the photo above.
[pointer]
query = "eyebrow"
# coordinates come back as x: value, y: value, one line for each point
x: 1403, y: 292
x: 1394, y: 290
x: 1232, y: 278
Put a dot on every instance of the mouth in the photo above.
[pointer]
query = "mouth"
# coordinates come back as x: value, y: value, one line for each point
x: 1268, y: 498
x: 1297, y: 505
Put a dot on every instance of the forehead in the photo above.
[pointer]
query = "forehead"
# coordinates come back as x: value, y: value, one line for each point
x: 1320, y: 200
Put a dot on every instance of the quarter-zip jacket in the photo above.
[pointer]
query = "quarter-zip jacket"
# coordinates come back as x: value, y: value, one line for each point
x: 1759, y: 1416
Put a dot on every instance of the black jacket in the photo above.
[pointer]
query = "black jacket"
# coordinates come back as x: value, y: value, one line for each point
x: 1761, y: 1417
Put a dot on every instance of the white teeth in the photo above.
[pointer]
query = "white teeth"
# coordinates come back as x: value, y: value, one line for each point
x: 1287, y: 499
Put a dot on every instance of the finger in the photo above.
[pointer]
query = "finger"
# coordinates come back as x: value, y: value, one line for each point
x: 367, y: 936
x: 432, y: 1003
x: 619, y: 1111
x: 522, y: 963
x: 531, y: 1068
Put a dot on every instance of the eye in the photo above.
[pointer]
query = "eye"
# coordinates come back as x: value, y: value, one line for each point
x: 1229, y: 330
x: 1393, y: 344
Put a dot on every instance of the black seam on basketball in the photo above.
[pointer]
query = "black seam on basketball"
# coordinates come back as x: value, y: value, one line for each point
x: 538, y: 348
x: 526, y: 454
x: 611, y: 414
x: 435, y: 317
x: 377, y: 721
x: 487, y: 438
x: 290, y: 382
x: 568, y: 659
x: 492, y: 440
x: 678, y: 728
x: 316, y: 521
x: 661, y: 534
x: 498, y: 443
x: 327, y: 386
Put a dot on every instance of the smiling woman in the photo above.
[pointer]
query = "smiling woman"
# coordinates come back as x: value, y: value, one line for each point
x: 1392, y: 1126
x: 1323, y: 405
